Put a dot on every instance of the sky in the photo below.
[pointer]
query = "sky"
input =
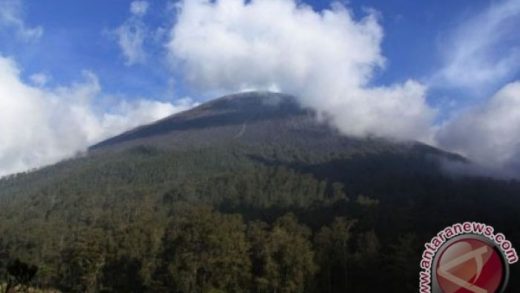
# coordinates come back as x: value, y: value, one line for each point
x: 447, y: 73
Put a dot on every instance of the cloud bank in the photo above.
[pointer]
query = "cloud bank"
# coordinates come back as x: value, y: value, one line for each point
x: 40, y: 126
x: 328, y: 60
x: 325, y: 58
x: 489, y: 134
x: 482, y: 54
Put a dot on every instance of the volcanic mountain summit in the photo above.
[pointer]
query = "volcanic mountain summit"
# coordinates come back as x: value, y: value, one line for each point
x: 252, y: 118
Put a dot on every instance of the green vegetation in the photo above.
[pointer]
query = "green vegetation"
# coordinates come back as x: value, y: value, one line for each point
x: 18, y: 276
x: 238, y: 219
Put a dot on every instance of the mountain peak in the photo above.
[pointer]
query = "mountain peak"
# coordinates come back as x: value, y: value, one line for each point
x: 227, y: 118
x: 255, y: 119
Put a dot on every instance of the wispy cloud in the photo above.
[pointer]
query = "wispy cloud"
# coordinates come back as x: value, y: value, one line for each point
x: 11, y: 17
x: 39, y: 79
x: 139, y: 8
x: 132, y: 34
x: 484, y: 50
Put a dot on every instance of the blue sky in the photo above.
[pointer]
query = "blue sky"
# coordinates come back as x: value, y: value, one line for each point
x: 441, y: 72
x: 76, y: 37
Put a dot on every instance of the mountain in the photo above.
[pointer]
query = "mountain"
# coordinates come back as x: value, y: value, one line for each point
x: 230, y: 175
x: 254, y: 119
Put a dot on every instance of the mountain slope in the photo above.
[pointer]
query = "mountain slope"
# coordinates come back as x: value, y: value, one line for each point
x: 256, y: 118
x: 258, y: 155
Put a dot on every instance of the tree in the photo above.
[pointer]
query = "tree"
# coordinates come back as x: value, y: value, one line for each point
x: 81, y: 263
x: 206, y: 251
x: 122, y: 275
x: 367, y: 262
x: 4, y: 257
x: 333, y: 255
x: 282, y: 256
x: 403, y: 256
x: 19, y: 274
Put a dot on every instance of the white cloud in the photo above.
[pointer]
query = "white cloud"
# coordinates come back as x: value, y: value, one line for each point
x: 490, y: 133
x: 484, y: 50
x: 11, y: 16
x: 481, y: 54
x: 133, y: 33
x: 139, y: 7
x: 326, y: 58
x: 131, y: 36
x: 40, y: 126
x: 39, y: 79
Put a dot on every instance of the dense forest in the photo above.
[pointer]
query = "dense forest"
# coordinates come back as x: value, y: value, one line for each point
x: 347, y: 216
x: 149, y: 220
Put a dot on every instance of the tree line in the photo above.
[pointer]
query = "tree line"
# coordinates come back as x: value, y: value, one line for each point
x: 203, y: 250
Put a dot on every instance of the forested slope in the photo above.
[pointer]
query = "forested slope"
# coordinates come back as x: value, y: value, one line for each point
x: 248, y: 193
